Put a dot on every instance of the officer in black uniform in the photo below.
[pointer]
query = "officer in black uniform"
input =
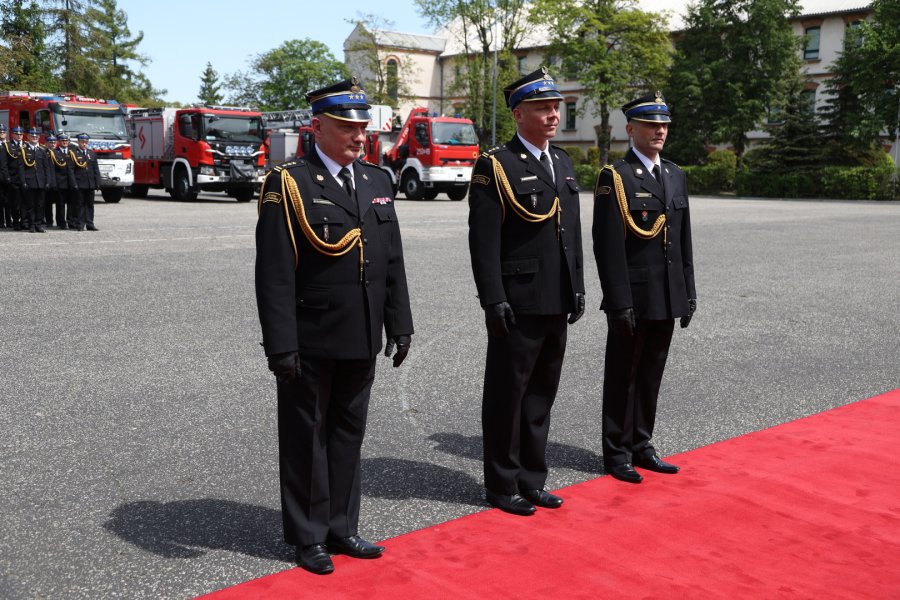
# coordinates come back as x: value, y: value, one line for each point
x: 63, y: 181
x: 38, y: 177
x: 87, y: 181
x: 6, y: 219
x: 14, y: 173
x: 329, y: 277
x: 642, y: 243
x: 525, y: 245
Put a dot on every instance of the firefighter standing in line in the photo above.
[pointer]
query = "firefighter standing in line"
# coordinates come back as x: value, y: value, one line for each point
x: 330, y: 280
x: 6, y: 218
x: 38, y: 178
x: 525, y: 245
x: 15, y: 173
x: 87, y: 181
x: 64, y: 179
x: 642, y: 244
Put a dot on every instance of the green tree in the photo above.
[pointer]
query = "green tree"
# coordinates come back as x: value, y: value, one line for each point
x: 279, y: 78
x: 611, y: 47
x: 864, y: 92
x: 24, y: 60
x: 488, y: 31
x: 114, y: 50
x: 69, y: 29
x: 210, y: 88
x: 796, y: 142
x: 386, y: 81
x: 733, y: 62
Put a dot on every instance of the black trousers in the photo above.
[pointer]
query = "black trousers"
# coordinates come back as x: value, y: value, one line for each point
x: 73, y: 207
x: 34, y: 207
x: 521, y: 376
x: 631, y: 379
x: 56, y: 197
x: 321, y: 424
x: 14, y: 205
x: 86, y: 207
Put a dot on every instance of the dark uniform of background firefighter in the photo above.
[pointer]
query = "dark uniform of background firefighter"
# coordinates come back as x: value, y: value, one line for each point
x: 63, y: 181
x: 642, y: 244
x: 38, y: 177
x: 525, y: 246
x: 87, y: 181
x: 329, y: 277
x: 13, y: 173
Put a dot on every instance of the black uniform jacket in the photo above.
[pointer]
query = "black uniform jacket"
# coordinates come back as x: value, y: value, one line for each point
x: 63, y: 169
x: 36, y: 161
x: 517, y: 261
x: 84, y: 166
x: 326, y: 308
x: 655, y: 276
x: 11, y: 168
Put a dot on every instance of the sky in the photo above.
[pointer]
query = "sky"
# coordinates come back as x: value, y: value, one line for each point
x: 180, y: 37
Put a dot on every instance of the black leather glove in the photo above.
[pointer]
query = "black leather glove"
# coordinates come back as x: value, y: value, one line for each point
x: 622, y: 321
x: 286, y: 366
x: 685, y: 320
x: 579, y: 308
x: 402, y: 343
x: 499, y: 318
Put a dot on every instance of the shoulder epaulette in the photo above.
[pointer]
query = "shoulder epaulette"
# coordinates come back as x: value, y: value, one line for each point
x: 560, y: 148
x: 620, y: 162
x: 494, y: 150
x: 666, y: 160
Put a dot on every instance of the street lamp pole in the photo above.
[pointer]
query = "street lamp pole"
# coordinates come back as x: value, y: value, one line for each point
x: 494, y: 100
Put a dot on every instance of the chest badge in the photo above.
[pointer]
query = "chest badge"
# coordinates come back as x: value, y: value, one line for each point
x: 644, y: 216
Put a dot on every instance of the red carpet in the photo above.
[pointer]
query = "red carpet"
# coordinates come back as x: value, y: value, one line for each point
x: 808, y: 509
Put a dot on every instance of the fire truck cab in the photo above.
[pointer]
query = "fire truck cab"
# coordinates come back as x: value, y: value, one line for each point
x: 103, y: 120
x: 186, y: 150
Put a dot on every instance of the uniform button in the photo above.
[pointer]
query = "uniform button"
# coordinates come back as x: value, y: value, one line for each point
x: 367, y: 260
x: 365, y: 240
x: 362, y: 221
x: 302, y: 301
x: 367, y: 283
x: 670, y: 243
x: 670, y: 262
x: 518, y: 269
x: 562, y: 229
x: 325, y: 219
x: 644, y: 205
x: 565, y: 247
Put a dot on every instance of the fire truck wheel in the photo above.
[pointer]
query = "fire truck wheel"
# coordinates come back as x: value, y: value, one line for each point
x: 458, y: 193
x: 411, y: 186
x: 139, y: 191
x: 181, y: 187
x: 112, y: 195
x: 430, y: 194
x: 243, y: 194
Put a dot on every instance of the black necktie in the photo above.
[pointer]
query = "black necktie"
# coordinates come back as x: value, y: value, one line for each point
x: 348, y: 181
x: 658, y: 174
x: 545, y: 161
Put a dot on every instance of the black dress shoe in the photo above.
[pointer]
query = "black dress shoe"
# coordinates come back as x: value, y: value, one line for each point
x: 625, y: 472
x: 92, y: 228
x: 354, y: 546
x: 314, y: 558
x: 653, y: 463
x: 515, y: 504
x: 542, y: 498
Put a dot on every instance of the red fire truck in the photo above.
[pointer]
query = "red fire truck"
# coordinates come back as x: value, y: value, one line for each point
x: 433, y: 155
x: 103, y: 120
x: 210, y: 148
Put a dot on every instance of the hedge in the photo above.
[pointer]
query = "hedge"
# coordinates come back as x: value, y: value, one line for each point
x: 848, y: 183
x: 587, y: 176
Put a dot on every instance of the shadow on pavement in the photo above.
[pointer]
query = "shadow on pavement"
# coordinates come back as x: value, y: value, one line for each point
x: 401, y: 479
x: 188, y: 528
x: 560, y: 456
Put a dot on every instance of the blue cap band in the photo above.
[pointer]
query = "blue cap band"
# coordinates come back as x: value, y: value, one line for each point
x: 343, y: 100
x: 535, y: 87
x: 648, y: 108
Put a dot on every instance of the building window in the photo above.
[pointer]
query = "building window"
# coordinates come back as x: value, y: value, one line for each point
x: 809, y: 100
x: 811, y: 49
x: 523, y: 67
x: 853, y: 34
x: 570, y: 115
x: 392, y: 81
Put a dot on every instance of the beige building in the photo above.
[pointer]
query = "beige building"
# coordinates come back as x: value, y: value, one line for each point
x: 426, y: 63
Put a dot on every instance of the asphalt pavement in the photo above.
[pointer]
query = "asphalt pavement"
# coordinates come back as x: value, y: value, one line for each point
x: 138, y: 451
